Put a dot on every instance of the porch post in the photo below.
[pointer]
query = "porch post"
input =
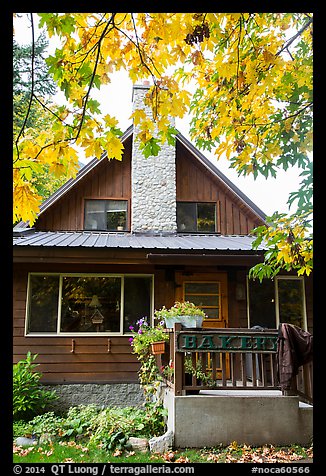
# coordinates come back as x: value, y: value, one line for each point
x: 178, y: 363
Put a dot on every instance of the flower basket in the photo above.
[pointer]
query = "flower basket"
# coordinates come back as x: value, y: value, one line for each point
x: 186, y: 321
x: 158, y: 347
x: 185, y: 313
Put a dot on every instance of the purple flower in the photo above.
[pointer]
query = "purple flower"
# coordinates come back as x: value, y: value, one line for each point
x: 140, y: 331
x: 131, y: 339
x: 131, y: 328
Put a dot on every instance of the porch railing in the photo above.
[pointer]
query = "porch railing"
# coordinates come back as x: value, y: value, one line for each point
x: 226, y: 359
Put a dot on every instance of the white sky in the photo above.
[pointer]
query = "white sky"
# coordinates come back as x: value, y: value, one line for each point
x: 269, y: 195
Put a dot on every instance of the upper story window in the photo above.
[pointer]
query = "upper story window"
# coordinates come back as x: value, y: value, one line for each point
x: 196, y: 217
x: 108, y: 215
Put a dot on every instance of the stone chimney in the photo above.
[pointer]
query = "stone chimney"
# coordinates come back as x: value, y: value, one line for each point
x: 153, y: 182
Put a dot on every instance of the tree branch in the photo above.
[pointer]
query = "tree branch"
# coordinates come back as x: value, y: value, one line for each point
x: 291, y: 40
x: 21, y: 132
x: 85, y: 99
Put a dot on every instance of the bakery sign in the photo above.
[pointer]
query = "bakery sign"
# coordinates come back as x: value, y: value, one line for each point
x: 219, y: 342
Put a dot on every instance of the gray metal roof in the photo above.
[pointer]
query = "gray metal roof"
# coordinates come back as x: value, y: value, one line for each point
x: 135, y: 241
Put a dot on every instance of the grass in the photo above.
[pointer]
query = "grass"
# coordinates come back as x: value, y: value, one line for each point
x: 72, y: 452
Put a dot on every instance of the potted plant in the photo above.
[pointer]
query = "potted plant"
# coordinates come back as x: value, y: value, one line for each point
x: 143, y: 336
x: 186, y: 313
x: 147, y: 338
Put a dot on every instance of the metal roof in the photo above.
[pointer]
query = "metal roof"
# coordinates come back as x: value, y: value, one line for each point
x: 93, y: 239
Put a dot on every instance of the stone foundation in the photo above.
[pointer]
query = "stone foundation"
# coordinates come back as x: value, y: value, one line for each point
x: 107, y: 395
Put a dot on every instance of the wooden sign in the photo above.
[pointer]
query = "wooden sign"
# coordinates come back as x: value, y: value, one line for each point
x: 211, y: 342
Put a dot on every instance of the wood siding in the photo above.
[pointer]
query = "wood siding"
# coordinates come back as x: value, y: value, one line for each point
x: 96, y: 359
x: 112, y: 179
x: 196, y: 183
x: 109, y: 179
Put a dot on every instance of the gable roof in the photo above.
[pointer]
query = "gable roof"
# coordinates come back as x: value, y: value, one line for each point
x: 66, y: 187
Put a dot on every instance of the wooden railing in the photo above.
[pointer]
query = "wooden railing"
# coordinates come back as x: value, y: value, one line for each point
x: 231, y: 359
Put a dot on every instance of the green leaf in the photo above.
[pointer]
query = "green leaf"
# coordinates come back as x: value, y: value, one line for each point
x: 151, y: 148
x: 93, y: 106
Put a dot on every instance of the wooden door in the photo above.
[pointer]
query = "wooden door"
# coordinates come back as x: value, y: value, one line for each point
x: 209, y: 292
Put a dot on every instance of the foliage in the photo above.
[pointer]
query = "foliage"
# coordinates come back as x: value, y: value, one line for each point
x: 78, y: 421
x: 168, y: 371
x: 113, y: 426
x: 245, y: 78
x: 145, y: 335
x: 149, y: 374
x: 48, y: 423
x: 198, y: 371
x: 108, y: 427
x: 22, y: 428
x: 289, y: 245
x: 33, y: 88
x: 29, y: 397
x: 179, y: 309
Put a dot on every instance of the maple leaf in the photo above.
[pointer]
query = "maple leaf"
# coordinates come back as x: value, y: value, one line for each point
x: 138, y: 116
x: 26, y: 202
x: 114, y: 148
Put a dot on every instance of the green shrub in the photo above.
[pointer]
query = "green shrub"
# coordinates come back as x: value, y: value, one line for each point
x: 79, y: 420
x: 22, y: 428
x: 48, y: 423
x: 29, y: 398
x: 113, y: 426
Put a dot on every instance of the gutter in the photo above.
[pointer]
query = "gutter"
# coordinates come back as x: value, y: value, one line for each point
x: 206, y: 259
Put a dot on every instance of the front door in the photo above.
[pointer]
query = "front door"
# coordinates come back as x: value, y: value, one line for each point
x: 209, y: 292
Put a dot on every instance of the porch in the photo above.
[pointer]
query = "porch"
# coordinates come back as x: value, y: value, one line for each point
x: 233, y: 392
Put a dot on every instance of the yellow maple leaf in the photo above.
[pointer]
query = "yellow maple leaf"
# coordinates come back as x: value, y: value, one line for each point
x: 57, y: 169
x: 138, y: 116
x: 114, y: 148
x: 25, y: 202
x: 110, y: 121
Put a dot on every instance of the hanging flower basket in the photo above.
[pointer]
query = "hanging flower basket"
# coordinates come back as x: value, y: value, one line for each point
x: 158, y: 347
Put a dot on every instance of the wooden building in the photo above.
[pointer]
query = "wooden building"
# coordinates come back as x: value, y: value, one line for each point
x: 102, y: 255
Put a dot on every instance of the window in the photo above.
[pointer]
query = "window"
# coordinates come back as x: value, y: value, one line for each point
x: 109, y: 215
x: 262, y: 303
x: 196, y: 217
x: 290, y: 301
x: 273, y: 302
x: 204, y: 295
x: 43, y: 303
x: 61, y: 304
